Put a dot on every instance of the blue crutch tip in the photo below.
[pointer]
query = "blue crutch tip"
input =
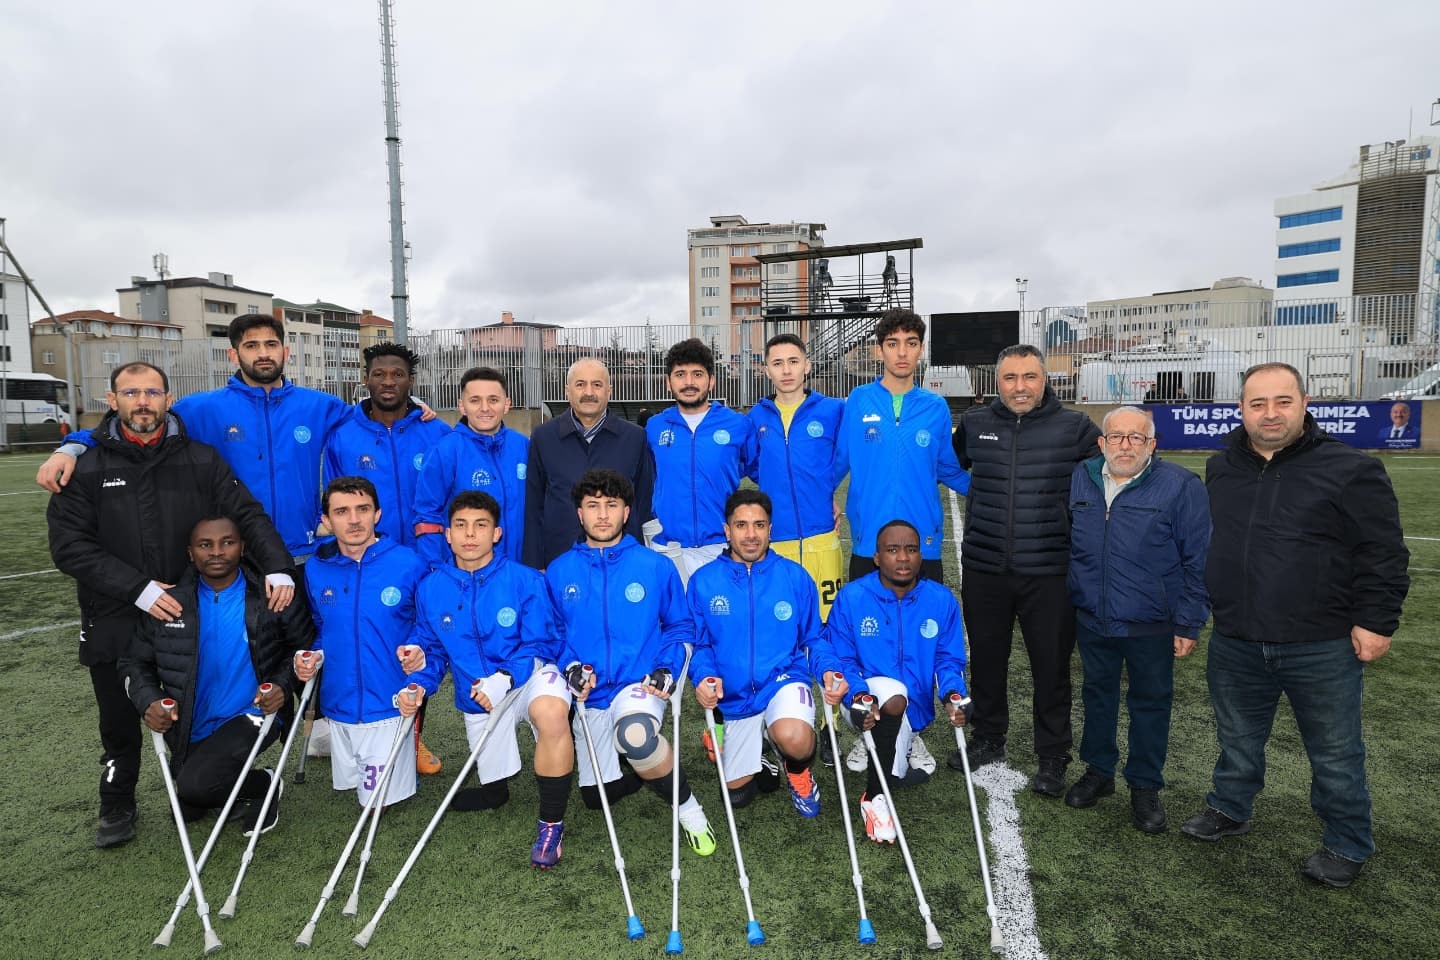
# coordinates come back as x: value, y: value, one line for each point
x: 754, y: 934
x: 867, y: 932
x: 634, y: 928
x: 673, y: 945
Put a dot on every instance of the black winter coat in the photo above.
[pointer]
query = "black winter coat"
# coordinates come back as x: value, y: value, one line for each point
x: 1305, y: 545
x: 162, y: 658
x: 125, y: 519
x: 1016, y: 521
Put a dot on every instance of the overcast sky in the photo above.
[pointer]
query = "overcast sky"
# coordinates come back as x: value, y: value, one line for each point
x: 555, y: 154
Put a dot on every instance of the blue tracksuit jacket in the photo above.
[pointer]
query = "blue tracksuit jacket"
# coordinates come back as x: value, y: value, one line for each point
x: 894, y: 465
x: 389, y: 457
x: 363, y: 612
x: 696, y: 472
x: 798, y: 470
x: 1138, y: 568
x: 918, y: 640
x: 496, y: 618
x: 466, y: 460
x: 620, y: 609
x: 754, y: 628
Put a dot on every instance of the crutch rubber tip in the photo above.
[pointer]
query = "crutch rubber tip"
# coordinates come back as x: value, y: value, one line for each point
x: 212, y: 942
x: 634, y: 929
x: 932, y: 936
x: 163, y: 940
x: 352, y: 907
x: 673, y: 944
x: 997, y: 942
x: 754, y: 934
x: 305, y: 935
x: 867, y: 931
x: 362, y: 939
x: 299, y: 776
x: 227, y: 912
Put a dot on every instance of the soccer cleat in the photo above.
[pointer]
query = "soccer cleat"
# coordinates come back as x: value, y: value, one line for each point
x: 702, y: 841
x: 857, y: 759
x: 272, y: 816
x: 548, y: 847
x: 804, y: 792
x: 319, y: 738
x: 425, y: 762
x: 115, y: 827
x: 712, y: 745
x: 920, y: 757
x: 879, y: 825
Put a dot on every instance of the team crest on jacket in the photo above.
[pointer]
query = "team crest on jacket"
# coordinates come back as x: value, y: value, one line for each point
x: 327, y: 595
x: 872, y: 434
x: 447, y: 623
x: 720, y: 605
x: 366, y: 462
x: 481, y: 478
x: 922, y: 438
x: 783, y: 610
x: 721, y: 437
x: 571, y: 593
x: 815, y: 428
x: 390, y: 596
x: 666, y: 438
x: 634, y: 591
x: 929, y: 629
x: 519, y: 471
x: 418, y: 460
x: 869, y: 627
x: 505, y: 617
x: 234, y: 433
x: 302, y: 434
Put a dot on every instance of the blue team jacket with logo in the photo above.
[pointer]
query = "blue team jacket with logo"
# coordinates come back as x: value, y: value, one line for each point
x: 918, y: 640
x: 695, y: 473
x: 466, y: 460
x: 496, y: 618
x: 389, y: 457
x: 754, y: 628
x: 363, y: 612
x: 894, y: 465
x: 797, y: 471
x: 620, y: 609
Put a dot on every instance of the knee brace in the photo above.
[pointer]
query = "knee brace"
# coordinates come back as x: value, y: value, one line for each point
x: 637, y: 738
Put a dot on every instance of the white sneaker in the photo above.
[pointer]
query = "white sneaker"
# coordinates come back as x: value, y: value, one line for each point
x: 319, y: 738
x: 920, y: 758
x: 858, y: 758
x: 879, y: 825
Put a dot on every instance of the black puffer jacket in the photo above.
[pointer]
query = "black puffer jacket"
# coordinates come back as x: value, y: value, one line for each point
x: 1015, y: 516
x: 1305, y: 545
x: 162, y: 661
x: 125, y: 519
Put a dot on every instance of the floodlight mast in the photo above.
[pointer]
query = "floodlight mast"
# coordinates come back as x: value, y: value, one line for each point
x: 399, y: 287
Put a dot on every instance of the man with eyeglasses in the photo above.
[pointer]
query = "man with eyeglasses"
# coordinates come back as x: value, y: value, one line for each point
x: 121, y: 528
x: 1139, y: 535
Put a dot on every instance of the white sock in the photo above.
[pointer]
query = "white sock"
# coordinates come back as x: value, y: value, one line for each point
x: 692, y: 815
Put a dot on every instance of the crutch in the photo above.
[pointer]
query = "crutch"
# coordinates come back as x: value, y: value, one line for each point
x: 997, y: 941
x: 309, y: 724
x: 753, y: 934
x: 674, y: 944
x: 634, y: 929
x: 228, y: 910
x: 932, y: 935
x: 163, y: 939
x: 372, y: 806
x: 867, y: 931
x: 212, y: 940
x: 362, y: 939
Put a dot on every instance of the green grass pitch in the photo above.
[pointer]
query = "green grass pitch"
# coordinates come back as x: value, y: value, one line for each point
x: 1101, y: 889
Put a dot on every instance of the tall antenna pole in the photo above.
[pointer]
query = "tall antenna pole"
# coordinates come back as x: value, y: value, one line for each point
x: 399, y: 293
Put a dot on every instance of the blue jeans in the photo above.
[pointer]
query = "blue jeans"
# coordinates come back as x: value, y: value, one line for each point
x: 1324, y: 682
x: 1150, y: 663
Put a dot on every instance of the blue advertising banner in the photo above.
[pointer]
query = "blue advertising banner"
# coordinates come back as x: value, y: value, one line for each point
x: 1377, y: 425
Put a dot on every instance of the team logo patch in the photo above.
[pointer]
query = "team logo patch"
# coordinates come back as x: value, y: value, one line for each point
x: 783, y: 610
x: 872, y: 434
x: 666, y: 438
x: 922, y: 438
x: 869, y: 627
x: 870, y: 418
x: 418, y: 460
x: 519, y: 471
x: 763, y: 432
x: 302, y: 434
x: 929, y: 629
x: 327, y: 595
x: 505, y: 617
x: 390, y: 596
x: 571, y: 593
x: 989, y: 436
x: 481, y: 478
x: 634, y: 592
x: 366, y: 462
x: 720, y: 605
x: 234, y: 433
x: 721, y: 437
x: 815, y: 428
x: 447, y: 623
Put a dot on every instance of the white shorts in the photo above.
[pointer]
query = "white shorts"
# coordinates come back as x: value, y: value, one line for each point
x: 743, y: 737
x: 632, y: 699
x: 501, y: 756
x: 688, y: 559
x: 883, y: 688
x: 357, y: 759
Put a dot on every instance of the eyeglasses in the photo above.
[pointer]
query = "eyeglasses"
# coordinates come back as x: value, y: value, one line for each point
x: 135, y: 393
x: 1136, y: 439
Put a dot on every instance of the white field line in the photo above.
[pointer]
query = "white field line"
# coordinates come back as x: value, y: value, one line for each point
x: 23, y: 493
x: 1014, y: 897
x: 1425, y: 539
x: 32, y: 573
x: 54, y: 626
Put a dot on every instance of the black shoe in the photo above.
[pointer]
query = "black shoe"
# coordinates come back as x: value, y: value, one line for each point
x: 1331, y: 869
x: 116, y: 827
x: 272, y: 816
x: 827, y: 757
x: 1211, y: 825
x: 1089, y: 788
x: 1147, y: 811
x: 1049, y: 780
x: 980, y: 751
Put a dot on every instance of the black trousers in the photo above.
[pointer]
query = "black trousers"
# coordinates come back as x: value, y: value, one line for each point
x: 120, y: 739
x: 991, y: 605
x: 864, y: 566
x: 211, y: 765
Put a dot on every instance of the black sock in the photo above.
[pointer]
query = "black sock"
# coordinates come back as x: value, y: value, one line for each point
x: 615, y: 790
x: 798, y: 766
x: 488, y: 796
x: 554, y: 796
x: 663, y: 787
x: 885, y: 732
x: 744, y: 796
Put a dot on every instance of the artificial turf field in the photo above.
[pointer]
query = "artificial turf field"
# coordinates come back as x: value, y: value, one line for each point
x: 1100, y: 888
